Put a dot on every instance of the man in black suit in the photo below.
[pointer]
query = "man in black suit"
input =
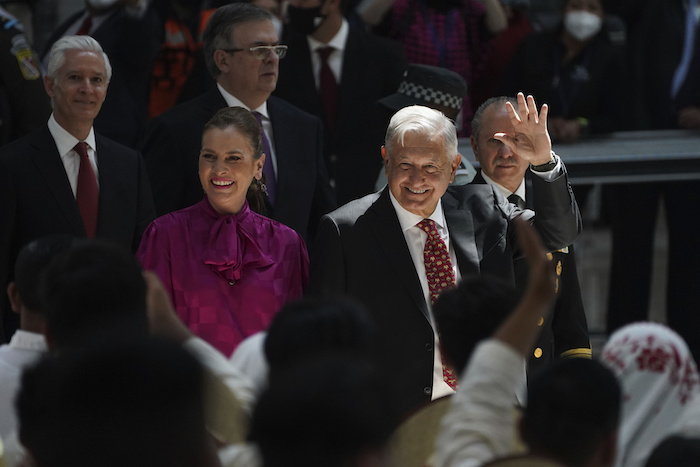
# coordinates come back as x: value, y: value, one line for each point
x: 374, y: 250
x: 338, y: 72
x: 47, y: 186
x: 565, y: 330
x: 129, y: 32
x: 242, y: 51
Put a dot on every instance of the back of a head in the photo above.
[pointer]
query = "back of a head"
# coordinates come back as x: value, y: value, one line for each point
x: 137, y: 404
x: 219, y: 30
x: 573, y: 406
x: 93, y: 289
x: 31, y: 261
x: 312, y: 326
x: 470, y: 313
x: 327, y: 411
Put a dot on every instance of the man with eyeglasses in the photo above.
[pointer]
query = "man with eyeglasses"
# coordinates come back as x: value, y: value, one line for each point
x: 338, y: 73
x: 242, y: 53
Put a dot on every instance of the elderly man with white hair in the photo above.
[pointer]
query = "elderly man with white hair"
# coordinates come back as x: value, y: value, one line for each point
x: 66, y: 178
x: 397, y: 249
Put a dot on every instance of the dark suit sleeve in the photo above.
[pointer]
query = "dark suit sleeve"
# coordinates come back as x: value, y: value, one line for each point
x: 146, y: 211
x: 163, y: 165
x: 569, y: 324
x: 558, y: 220
x: 8, y: 207
x: 327, y: 267
x: 324, y: 199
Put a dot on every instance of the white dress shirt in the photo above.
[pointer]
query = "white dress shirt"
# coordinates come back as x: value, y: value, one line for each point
x: 335, y: 59
x: 415, y: 239
x: 65, y: 142
x: 233, y: 101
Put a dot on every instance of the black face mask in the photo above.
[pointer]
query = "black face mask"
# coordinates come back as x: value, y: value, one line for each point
x: 304, y: 20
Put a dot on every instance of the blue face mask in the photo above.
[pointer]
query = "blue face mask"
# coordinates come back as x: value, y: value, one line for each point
x: 304, y: 20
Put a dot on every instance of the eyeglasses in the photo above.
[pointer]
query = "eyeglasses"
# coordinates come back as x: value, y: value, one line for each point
x: 261, y: 52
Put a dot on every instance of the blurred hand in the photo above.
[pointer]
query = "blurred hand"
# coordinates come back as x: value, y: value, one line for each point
x: 162, y: 319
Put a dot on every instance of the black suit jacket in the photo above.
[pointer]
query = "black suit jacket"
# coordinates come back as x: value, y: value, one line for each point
x: 174, y: 139
x: 372, y: 69
x: 36, y: 198
x: 564, y: 330
x: 361, y: 251
x: 131, y: 45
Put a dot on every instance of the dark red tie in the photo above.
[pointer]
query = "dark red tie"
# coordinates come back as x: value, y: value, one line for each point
x: 87, y: 194
x: 441, y: 276
x: 328, y: 86
x: 85, y: 27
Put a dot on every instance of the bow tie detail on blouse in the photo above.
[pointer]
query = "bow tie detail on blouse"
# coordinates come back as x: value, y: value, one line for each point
x: 231, y: 250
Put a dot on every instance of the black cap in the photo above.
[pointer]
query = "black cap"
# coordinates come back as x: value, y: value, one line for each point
x: 430, y: 86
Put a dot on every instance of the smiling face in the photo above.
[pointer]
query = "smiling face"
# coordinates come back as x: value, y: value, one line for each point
x: 496, y: 159
x: 249, y: 79
x: 419, y: 171
x: 79, y: 89
x: 227, y: 168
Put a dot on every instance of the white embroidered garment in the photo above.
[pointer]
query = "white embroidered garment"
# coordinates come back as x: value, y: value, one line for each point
x: 659, y: 380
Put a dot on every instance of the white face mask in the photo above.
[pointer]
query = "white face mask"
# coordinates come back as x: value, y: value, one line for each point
x: 582, y: 24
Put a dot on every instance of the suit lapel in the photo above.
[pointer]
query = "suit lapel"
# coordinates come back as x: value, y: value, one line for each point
x: 48, y: 162
x: 462, y: 235
x: 387, y: 232
x: 109, y: 173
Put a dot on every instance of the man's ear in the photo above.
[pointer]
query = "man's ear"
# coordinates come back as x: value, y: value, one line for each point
x: 474, y: 148
x: 15, y: 299
x: 222, y: 60
x: 48, y: 86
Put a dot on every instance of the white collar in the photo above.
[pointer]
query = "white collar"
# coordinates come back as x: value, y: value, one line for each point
x: 408, y: 219
x: 65, y: 142
x: 520, y: 191
x: 233, y: 101
x: 25, y: 340
x: 338, y: 42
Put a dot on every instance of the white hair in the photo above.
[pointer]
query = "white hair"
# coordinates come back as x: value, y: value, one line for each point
x: 423, y: 121
x: 57, y: 55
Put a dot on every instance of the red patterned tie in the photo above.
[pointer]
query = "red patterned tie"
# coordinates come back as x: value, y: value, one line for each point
x: 87, y: 194
x: 441, y: 276
x: 328, y: 86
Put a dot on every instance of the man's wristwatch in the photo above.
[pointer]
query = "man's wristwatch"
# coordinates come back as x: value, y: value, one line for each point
x: 547, y: 166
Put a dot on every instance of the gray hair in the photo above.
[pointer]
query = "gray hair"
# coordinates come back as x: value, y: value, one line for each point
x: 57, y: 55
x: 219, y: 31
x: 424, y: 121
x: 500, y: 100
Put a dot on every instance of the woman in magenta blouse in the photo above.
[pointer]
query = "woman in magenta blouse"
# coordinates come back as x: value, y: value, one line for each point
x: 227, y: 269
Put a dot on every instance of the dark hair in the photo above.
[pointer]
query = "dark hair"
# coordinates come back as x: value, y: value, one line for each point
x: 499, y: 100
x: 246, y: 124
x: 572, y: 407
x: 312, y: 326
x: 91, y: 288
x: 470, y: 313
x: 323, y: 412
x: 135, y: 404
x: 676, y: 451
x: 218, y: 33
x: 31, y: 261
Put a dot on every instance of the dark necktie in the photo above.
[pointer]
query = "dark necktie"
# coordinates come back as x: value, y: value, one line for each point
x: 441, y: 276
x: 87, y: 194
x: 328, y: 87
x: 268, y: 169
x: 85, y: 27
x: 517, y: 200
